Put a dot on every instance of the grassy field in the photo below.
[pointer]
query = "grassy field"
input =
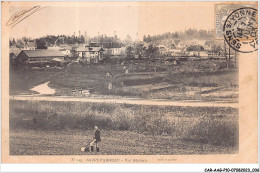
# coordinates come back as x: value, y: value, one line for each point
x: 197, y: 129
x: 69, y: 142
x: 151, y: 79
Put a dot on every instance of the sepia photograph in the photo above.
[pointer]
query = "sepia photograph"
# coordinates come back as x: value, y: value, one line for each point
x: 129, y: 79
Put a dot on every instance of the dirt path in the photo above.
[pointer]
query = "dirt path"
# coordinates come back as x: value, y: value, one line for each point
x: 125, y: 101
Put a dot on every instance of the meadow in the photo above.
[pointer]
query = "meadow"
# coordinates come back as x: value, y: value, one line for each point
x: 146, y: 78
x: 208, y: 129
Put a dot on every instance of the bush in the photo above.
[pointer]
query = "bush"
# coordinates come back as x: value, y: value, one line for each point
x: 213, y: 130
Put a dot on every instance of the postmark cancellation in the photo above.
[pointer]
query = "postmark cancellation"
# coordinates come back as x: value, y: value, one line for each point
x: 237, y: 24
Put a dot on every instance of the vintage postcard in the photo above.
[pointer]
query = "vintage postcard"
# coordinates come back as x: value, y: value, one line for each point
x: 129, y: 82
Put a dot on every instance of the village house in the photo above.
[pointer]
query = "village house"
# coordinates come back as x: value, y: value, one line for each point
x: 171, y: 46
x: 29, y: 45
x: 66, y: 50
x: 78, y: 51
x: 208, y: 45
x: 14, y: 52
x: 163, y: 50
x: 173, y: 50
x: 195, y: 50
x: 94, y: 54
x: 40, y: 58
x: 215, y: 48
x: 111, y: 48
x: 177, y: 52
x: 89, y: 54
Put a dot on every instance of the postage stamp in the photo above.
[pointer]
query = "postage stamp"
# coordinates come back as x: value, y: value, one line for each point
x: 222, y: 11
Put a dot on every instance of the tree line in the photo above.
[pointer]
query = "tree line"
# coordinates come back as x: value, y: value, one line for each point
x: 182, y: 35
x: 52, y: 40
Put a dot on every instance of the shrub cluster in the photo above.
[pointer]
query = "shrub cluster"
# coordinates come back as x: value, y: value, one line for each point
x: 217, y: 126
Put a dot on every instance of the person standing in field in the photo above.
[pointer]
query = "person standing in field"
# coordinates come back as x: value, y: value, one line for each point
x: 96, y: 139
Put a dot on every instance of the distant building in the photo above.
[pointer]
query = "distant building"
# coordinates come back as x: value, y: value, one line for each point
x: 172, y: 46
x: 29, y: 45
x: 66, y: 49
x: 40, y: 58
x: 14, y: 52
x: 176, y: 52
x: 163, y: 50
x: 208, y: 45
x: 173, y: 50
x: 63, y: 49
x: 95, y: 54
x: 111, y: 48
x: 195, y: 50
x: 79, y: 51
x: 177, y: 42
x: 90, y: 54
x: 185, y: 43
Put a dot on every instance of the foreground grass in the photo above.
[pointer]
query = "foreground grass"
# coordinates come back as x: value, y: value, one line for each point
x: 208, y: 125
x: 69, y: 142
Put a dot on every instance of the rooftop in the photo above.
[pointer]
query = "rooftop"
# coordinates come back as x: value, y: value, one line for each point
x: 89, y: 49
x: 43, y: 53
x: 30, y: 44
x: 107, y: 45
x: 15, y: 51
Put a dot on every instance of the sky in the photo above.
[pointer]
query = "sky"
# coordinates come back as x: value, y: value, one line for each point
x: 106, y: 17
